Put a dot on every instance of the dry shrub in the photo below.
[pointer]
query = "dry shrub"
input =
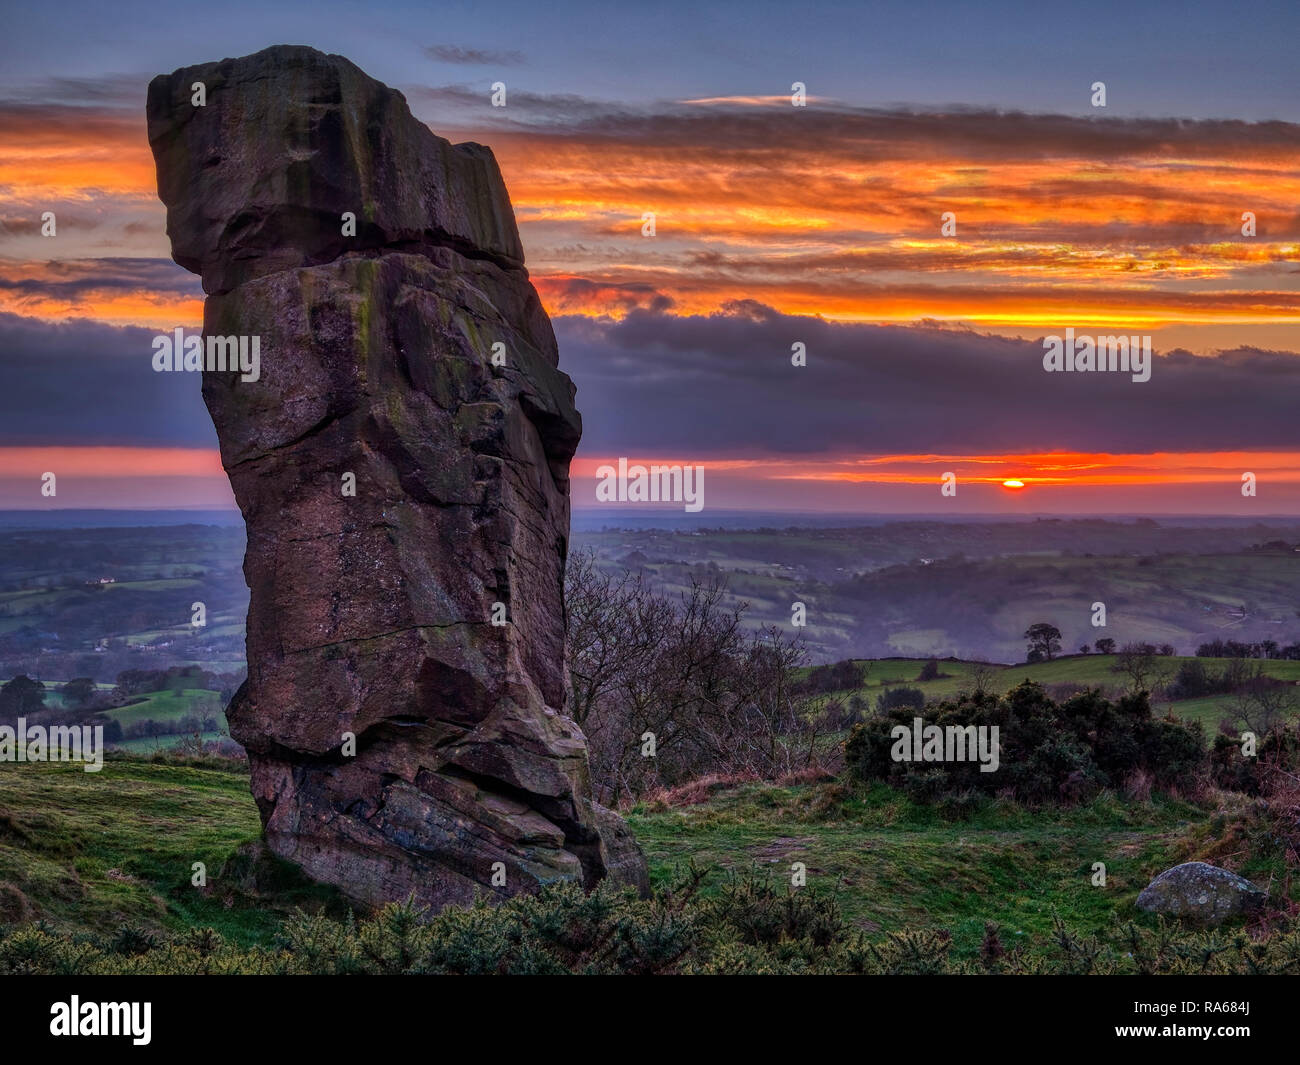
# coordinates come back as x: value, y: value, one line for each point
x: 1137, y: 786
x: 700, y: 790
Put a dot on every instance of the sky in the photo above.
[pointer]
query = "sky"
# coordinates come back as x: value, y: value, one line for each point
x: 775, y: 226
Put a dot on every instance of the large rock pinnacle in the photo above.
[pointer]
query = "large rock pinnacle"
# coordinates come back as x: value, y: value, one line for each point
x: 402, y: 464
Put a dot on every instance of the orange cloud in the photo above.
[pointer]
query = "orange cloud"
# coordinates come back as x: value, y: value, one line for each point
x: 1104, y: 223
x: 817, y: 210
x: 74, y: 153
x: 157, y: 295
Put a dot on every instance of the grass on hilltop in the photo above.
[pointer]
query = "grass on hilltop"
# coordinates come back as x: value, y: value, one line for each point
x: 98, y: 851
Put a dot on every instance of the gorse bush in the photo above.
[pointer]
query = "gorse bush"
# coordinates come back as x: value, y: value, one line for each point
x: 1048, y: 751
x: 1276, y: 752
x: 752, y: 925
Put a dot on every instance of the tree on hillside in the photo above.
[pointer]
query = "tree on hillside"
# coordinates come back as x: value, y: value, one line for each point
x: 1044, y: 641
x: 982, y: 678
x: 1264, y: 703
x: 21, y: 696
x: 1139, y: 662
x: 79, y: 691
x: 1105, y: 646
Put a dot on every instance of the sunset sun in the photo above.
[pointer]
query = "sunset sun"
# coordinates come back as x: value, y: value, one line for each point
x: 1013, y: 483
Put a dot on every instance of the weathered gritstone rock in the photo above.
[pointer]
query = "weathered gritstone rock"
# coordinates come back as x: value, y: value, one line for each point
x: 1201, y: 894
x: 371, y: 614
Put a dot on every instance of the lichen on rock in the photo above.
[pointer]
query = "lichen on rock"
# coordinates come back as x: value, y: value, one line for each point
x: 1201, y: 894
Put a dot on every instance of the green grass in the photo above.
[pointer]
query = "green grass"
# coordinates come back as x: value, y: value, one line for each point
x: 1093, y: 671
x: 902, y: 672
x: 1209, y: 710
x: 149, y: 744
x: 893, y: 864
x: 168, y: 706
x: 97, y: 850
x: 100, y: 850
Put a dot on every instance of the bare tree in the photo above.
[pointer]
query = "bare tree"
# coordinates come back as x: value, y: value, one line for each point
x: 981, y: 678
x: 682, y: 677
x: 1263, y: 703
x: 1141, y: 663
x: 615, y: 626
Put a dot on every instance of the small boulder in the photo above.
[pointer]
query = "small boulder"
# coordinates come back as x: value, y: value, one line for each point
x: 1201, y: 894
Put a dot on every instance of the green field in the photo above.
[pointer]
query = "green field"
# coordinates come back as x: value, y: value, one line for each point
x: 169, y: 706
x: 96, y: 851
x: 1091, y: 671
x: 149, y: 744
x: 894, y: 865
x: 100, y: 849
x: 969, y: 590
